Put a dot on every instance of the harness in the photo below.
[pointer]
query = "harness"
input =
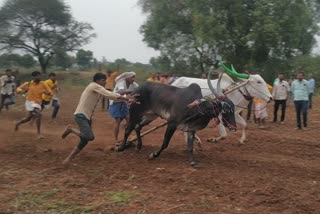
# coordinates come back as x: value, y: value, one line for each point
x: 247, y: 96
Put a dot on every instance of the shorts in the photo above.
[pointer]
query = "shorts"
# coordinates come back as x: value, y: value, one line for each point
x: 119, y: 110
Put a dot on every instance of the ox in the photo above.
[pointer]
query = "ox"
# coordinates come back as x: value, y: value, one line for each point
x: 170, y: 103
x: 250, y: 86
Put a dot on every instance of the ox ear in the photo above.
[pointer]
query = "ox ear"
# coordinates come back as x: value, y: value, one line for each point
x: 234, y: 73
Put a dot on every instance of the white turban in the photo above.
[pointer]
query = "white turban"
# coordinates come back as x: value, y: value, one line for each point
x: 125, y: 75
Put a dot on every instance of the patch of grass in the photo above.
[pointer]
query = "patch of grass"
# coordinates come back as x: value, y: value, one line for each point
x: 120, y: 197
x: 66, y: 208
x: 30, y: 200
x: 43, y: 203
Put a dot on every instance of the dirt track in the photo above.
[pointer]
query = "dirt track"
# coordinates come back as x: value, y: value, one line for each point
x: 277, y: 171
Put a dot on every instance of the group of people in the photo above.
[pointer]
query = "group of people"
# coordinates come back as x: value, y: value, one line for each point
x: 41, y: 94
x: 163, y: 78
x: 297, y: 89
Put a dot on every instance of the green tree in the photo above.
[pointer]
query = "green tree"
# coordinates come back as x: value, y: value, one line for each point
x: 11, y: 60
x: 195, y: 34
x: 39, y: 27
x: 84, y: 58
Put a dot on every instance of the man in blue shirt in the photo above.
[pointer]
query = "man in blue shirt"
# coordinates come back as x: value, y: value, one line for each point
x: 311, y: 82
x: 300, y: 92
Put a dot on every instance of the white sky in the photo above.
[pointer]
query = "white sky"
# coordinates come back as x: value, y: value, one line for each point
x: 116, y: 23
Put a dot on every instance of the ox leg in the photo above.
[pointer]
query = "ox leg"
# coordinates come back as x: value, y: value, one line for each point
x: 240, y: 121
x: 138, y: 131
x: 130, y: 127
x: 222, y: 132
x: 139, y: 139
x: 171, y: 128
x: 197, y: 140
x: 191, y: 137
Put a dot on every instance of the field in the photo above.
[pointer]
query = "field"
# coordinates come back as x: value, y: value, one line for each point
x: 277, y: 171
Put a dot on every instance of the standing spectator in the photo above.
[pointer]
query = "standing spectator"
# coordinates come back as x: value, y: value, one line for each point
x: 312, y: 83
x: 300, y: 91
x: 118, y: 110
x: 172, y: 78
x: 153, y: 78
x: 35, y: 89
x: 7, y: 85
x: 53, y: 99
x: 280, y: 92
x: 164, y: 79
x: 110, y: 83
x: 204, y: 76
x: 261, y: 111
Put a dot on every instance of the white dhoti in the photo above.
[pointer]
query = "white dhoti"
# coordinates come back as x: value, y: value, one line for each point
x: 30, y: 105
x: 261, y: 110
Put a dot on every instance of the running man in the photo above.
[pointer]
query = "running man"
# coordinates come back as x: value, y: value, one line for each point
x: 53, y: 99
x: 85, y: 109
x: 35, y: 89
x: 7, y: 88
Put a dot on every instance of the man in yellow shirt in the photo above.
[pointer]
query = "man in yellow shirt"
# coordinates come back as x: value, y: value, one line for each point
x: 35, y: 88
x: 110, y: 83
x: 47, y: 99
x: 260, y: 108
x: 153, y: 78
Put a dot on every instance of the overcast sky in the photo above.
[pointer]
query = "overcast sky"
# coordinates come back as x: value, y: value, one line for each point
x: 116, y: 23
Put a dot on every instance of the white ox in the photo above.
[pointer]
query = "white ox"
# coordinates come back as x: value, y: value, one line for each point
x: 253, y: 86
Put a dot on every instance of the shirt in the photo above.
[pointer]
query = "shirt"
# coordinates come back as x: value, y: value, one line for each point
x: 53, y: 86
x: 90, y: 97
x: 35, y: 90
x: 7, y: 88
x: 300, y: 90
x: 122, y: 85
x: 311, y: 85
x: 110, y: 80
x: 280, y: 90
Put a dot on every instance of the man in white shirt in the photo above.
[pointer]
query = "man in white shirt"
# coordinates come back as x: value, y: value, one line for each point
x: 7, y: 85
x: 280, y: 95
x: 119, y: 110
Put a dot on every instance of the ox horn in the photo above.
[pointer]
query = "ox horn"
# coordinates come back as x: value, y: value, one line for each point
x: 217, y: 93
x: 234, y: 73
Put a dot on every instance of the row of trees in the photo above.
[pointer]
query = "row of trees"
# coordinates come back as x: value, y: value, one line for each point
x: 83, y: 59
x: 194, y: 35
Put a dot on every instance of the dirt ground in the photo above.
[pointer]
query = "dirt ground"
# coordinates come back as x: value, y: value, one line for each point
x: 277, y: 171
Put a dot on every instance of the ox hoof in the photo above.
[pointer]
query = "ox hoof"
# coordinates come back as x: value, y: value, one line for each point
x: 152, y: 156
x: 119, y: 148
x: 241, y: 142
x: 193, y: 164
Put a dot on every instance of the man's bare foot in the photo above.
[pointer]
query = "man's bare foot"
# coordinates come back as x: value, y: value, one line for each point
x: 66, y: 132
x: 66, y: 161
x: 40, y: 136
x: 53, y: 121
